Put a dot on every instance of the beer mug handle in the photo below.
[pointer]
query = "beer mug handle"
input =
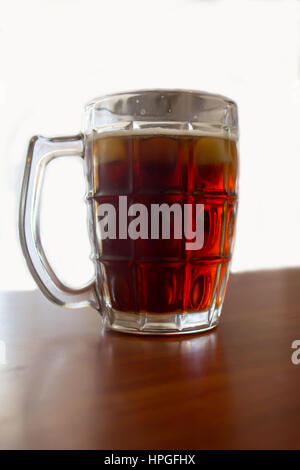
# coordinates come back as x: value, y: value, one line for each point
x: 40, y: 152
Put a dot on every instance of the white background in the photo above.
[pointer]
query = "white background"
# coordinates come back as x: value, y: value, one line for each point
x: 57, y: 54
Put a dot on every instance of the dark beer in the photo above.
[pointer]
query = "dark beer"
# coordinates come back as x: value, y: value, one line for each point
x: 161, y: 275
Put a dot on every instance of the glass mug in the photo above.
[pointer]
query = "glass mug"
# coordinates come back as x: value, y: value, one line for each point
x: 168, y: 155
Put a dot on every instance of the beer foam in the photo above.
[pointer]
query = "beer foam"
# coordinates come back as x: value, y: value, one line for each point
x: 160, y: 131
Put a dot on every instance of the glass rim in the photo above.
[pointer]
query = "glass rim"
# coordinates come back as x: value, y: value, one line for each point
x: 185, y: 91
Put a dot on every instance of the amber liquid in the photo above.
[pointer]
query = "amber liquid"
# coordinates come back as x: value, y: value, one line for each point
x: 160, y: 276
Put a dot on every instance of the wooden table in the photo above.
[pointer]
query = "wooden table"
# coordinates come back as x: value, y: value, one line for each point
x: 64, y: 383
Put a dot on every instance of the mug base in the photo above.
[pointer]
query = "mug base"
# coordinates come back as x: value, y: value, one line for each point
x: 162, y: 323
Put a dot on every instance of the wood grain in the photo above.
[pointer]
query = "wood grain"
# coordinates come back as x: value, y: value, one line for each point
x: 65, y: 384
